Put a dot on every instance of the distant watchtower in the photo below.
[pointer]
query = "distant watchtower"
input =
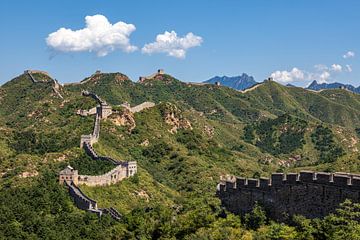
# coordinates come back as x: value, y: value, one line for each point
x: 161, y: 71
x: 68, y: 175
x: 217, y: 83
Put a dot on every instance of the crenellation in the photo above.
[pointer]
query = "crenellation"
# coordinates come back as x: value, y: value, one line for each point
x: 277, y: 179
x: 307, y: 176
x: 355, y: 182
x: 292, y: 178
x: 264, y: 183
x: 341, y: 180
x: 158, y: 72
x: 229, y: 185
x: 309, y: 193
x: 322, y: 177
x: 71, y: 178
x: 251, y: 183
x: 241, y: 181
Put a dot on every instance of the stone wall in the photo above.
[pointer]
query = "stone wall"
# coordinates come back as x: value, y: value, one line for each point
x: 142, y: 106
x: 115, y: 175
x: 122, y: 170
x: 308, y: 193
x: 94, y: 96
x: 81, y: 200
x: 85, y: 113
x: 159, y: 72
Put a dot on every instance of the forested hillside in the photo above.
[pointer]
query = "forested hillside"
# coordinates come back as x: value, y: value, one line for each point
x: 182, y: 145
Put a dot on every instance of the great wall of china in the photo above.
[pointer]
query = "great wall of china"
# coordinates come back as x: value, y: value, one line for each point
x: 121, y: 170
x: 159, y: 72
x: 55, y: 87
x: 311, y: 194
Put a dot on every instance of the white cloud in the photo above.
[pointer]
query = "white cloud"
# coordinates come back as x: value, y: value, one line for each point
x: 336, y: 67
x: 323, y: 77
x: 288, y: 76
x: 348, y: 68
x: 320, y: 67
x: 170, y: 43
x: 349, y: 54
x: 322, y: 74
x: 99, y: 36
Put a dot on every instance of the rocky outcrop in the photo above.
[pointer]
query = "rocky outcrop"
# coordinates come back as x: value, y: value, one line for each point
x: 209, y: 131
x: 122, y: 170
x: 173, y: 117
x: 123, y: 118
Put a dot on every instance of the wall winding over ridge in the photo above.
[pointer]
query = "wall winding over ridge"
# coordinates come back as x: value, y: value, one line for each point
x: 309, y: 193
x: 121, y: 170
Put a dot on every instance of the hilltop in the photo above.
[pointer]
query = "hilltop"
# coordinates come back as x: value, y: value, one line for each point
x: 183, y: 144
x: 319, y: 86
x: 237, y: 82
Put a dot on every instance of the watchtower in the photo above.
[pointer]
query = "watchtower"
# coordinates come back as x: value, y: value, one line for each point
x: 131, y: 168
x: 68, y: 175
x: 106, y: 110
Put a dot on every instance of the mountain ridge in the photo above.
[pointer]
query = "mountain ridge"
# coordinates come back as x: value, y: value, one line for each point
x: 240, y: 82
x: 193, y: 135
x: 336, y: 85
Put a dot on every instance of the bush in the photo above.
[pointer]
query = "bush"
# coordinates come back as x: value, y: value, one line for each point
x: 255, y: 218
x: 157, y: 151
x: 323, y: 138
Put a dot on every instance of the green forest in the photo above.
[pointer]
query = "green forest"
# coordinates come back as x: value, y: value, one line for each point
x: 192, y: 136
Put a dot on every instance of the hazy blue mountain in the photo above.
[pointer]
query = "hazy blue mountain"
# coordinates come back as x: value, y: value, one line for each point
x: 237, y: 82
x: 318, y: 86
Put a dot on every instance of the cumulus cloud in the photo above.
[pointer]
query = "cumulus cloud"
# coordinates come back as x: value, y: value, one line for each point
x: 349, y: 54
x: 321, y: 67
x: 336, y: 67
x: 323, y: 77
x: 99, y: 36
x: 348, y: 68
x: 322, y: 74
x: 170, y: 43
x: 288, y: 76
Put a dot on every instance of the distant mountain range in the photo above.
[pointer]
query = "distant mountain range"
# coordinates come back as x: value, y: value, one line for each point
x: 245, y: 81
x: 318, y: 86
x: 237, y: 82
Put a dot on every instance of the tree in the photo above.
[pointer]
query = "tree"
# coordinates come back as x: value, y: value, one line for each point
x: 255, y: 218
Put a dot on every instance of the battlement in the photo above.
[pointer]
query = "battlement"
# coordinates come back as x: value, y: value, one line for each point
x: 280, y: 179
x: 159, y: 72
x: 312, y: 194
x: 71, y: 178
x: 138, y: 108
x: 115, y: 175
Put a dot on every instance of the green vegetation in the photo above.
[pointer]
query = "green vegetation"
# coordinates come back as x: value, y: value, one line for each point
x: 173, y: 194
x: 324, y: 142
x: 358, y: 131
x: 282, y: 135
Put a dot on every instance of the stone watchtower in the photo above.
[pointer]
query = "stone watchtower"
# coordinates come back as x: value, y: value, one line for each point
x: 69, y: 175
x: 131, y: 168
x: 105, y: 110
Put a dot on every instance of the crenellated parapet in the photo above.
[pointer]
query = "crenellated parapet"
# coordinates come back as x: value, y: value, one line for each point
x: 121, y: 170
x: 312, y: 194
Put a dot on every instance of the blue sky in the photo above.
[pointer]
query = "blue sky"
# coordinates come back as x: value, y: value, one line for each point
x: 295, y: 41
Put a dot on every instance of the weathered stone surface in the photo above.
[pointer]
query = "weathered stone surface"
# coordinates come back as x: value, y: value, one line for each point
x: 309, y: 194
x: 121, y: 170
